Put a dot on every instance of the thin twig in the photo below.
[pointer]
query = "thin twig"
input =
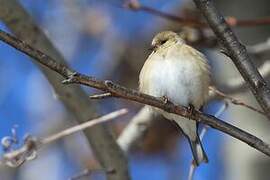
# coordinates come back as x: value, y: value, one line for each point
x: 100, y: 96
x: 73, y: 77
x: 28, y: 151
x: 83, y: 126
x: 232, y: 21
x: 136, y: 6
x: 234, y: 101
x: 237, y: 52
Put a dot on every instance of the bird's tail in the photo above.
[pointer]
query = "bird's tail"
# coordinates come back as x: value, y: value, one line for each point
x: 198, y: 152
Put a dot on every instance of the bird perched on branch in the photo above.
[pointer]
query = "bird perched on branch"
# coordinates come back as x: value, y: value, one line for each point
x: 180, y: 74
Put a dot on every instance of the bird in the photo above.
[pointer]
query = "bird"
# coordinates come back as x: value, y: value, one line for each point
x: 180, y: 74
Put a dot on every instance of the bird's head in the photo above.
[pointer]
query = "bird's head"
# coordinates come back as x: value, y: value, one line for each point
x: 165, y: 38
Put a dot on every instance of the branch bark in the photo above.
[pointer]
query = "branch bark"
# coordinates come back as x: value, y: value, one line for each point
x: 135, y: 5
x: 140, y: 123
x: 75, y: 100
x: 133, y: 95
x: 237, y: 52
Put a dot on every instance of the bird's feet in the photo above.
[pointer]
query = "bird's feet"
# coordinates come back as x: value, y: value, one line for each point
x: 165, y: 99
x: 191, y: 109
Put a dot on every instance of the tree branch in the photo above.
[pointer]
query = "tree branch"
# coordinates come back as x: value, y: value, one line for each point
x: 28, y: 151
x: 139, y: 124
x: 237, y: 52
x: 83, y: 126
x: 73, y: 97
x: 232, y: 21
x: 133, y: 95
x: 217, y: 92
x: 100, y: 96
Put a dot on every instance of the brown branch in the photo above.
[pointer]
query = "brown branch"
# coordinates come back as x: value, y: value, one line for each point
x: 139, y: 124
x: 133, y: 95
x: 234, y: 101
x: 136, y: 6
x: 28, y: 151
x: 232, y: 21
x: 237, y: 52
x: 74, y: 99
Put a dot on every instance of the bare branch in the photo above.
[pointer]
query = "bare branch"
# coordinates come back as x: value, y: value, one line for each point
x: 28, y: 151
x: 233, y: 100
x: 237, y: 52
x: 83, y: 126
x: 133, y: 95
x: 232, y: 21
x: 136, y: 6
x: 100, y: 96
x: 20, y: 23
x: 140, y: 123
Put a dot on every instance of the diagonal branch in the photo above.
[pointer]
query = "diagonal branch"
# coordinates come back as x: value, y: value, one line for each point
x: 28, y: 151
x: 75, y: 100
x: 237, y: 52
x: 139, y: 124
x: 232, y: 21
x: 233, y: 100
x: 83, y: 126
x: 133, y: 95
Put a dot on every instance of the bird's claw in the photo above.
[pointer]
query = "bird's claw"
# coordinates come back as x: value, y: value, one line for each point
x: 70, y: 78
x: 165, y: 99
x: 191, y: 109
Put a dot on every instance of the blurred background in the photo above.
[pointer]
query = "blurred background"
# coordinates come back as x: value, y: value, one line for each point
x: 102, y: 38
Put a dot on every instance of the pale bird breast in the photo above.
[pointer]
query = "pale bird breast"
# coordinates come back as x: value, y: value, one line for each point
x: 170, y: 70
x: 152, y: 74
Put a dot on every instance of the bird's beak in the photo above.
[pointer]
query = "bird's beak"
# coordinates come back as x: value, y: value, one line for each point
x: 152, y: 48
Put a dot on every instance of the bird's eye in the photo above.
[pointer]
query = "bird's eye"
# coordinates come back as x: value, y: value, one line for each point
x: 162, y: 42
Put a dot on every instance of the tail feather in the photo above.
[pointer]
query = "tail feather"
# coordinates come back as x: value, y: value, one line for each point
x: 198, y: 152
